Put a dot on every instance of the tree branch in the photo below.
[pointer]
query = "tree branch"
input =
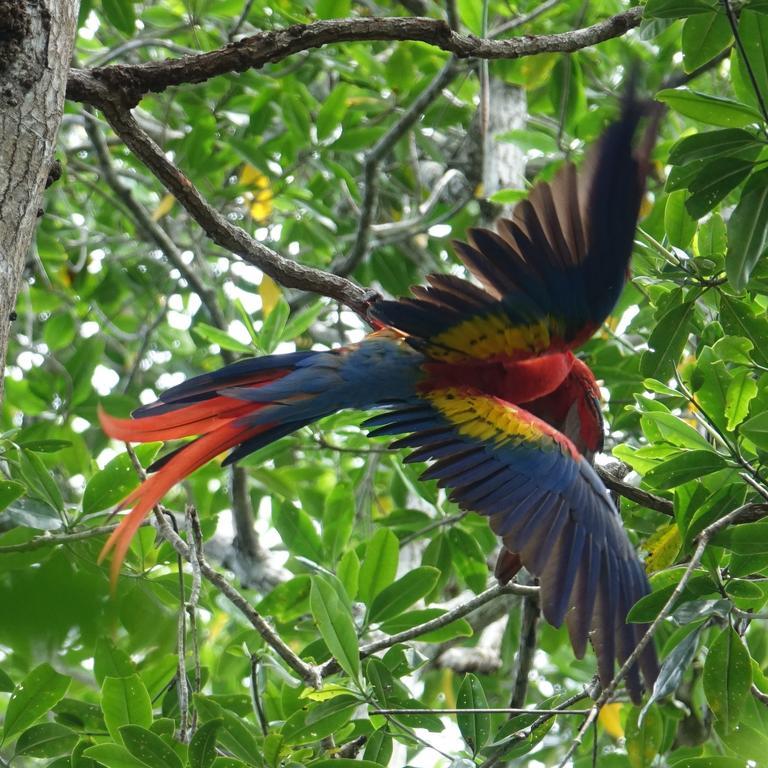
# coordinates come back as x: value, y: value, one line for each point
x: 98, y: 86
x: 639, y: 496
x: 441, y: 621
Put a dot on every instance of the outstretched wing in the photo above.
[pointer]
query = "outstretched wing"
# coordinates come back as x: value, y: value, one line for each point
x: 547, y: 503
x: 549, y: 276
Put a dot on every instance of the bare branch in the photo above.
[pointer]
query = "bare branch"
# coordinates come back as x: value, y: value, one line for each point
x: 99, y: 86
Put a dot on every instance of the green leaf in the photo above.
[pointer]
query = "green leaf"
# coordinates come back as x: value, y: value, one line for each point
x: 756, y: 429
x: 46, y: 740
x: 678, y: 224
x: 273, y: 330
x: 713, y: 110
x: 121, y: 14
x: 212, y: 335
x: 379, y: 566
x: 676, y: 9
x: 322, y: 720
x: 299, y: 322
x: 727, y: 677
x: 348, y: 573
x: 741, y: 391
x: 747, y: 232
x: 110, y: 661
x: 710, y: 144
x: 676, y: 431
x: 40, y: 480
x: 457, y: 628
x: 338, y: 520
x: 378, y: 748
x: 334, y: 621
x: 148, y: 747
x: 666, y: 342
x: 9, y: 491
x: 114, y: 756
x: 753, y: 31
x: 526, y: 140
x: 643, y: 737
x: 6, y: 684
x: 744, y: 539
x: 403, y: 593
x: 332, y: 111
x: 125, y: 701
x: 333, y: 9
x: 704, y: 36
x: 37, y: 693
x: 112, y: 484
x: 690, y: 465
x: 297, y: 530
x: 714, y: 182
x: 202, y: 748
x: 475, y: 727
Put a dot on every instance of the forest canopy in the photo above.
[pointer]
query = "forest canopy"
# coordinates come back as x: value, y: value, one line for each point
x: 237, y: 179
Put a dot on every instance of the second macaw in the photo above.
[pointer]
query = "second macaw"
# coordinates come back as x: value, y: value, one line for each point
x: 483, y: 382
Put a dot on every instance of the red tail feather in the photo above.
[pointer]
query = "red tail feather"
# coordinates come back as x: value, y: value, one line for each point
x: 150, y: 492
x: 194, y: 419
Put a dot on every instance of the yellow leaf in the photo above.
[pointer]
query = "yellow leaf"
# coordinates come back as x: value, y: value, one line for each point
x: 328, y: 691
x: 163, y: 207
x: 260, y: 199
x: 609, y: 719
x: 261, y: 207
x: 270, y: 294
x: 663, y: 547
x: 249, y: 175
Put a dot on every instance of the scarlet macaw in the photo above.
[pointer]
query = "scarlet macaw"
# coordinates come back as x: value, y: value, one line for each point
x: 484, y: 382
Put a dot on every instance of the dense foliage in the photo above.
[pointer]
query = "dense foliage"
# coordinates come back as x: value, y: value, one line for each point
x: 124, y: 295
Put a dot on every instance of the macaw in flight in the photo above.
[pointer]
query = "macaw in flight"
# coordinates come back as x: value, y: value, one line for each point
x: 483, y: 382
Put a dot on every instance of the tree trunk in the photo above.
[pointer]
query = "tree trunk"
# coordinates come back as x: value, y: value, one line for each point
x: 36, y: 40
x: 503, y: 161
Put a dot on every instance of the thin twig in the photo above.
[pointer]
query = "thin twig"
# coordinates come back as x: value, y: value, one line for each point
x: 441, y: 621
x: 52, y: 540
x: 195, y: 541
x: 520, y: 21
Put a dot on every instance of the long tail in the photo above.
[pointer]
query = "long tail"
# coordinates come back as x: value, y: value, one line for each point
x: 248, y: 405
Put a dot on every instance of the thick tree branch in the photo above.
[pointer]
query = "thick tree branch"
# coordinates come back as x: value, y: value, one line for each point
x: 639, y: 496
x: 98, y: 86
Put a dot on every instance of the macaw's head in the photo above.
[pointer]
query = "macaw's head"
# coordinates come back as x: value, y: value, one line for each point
x: 573, y: 408
x: 584, y: 420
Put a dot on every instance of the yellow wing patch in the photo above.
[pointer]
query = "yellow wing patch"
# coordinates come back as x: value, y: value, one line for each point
x: 484, y: 418
x: 491, y: 336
